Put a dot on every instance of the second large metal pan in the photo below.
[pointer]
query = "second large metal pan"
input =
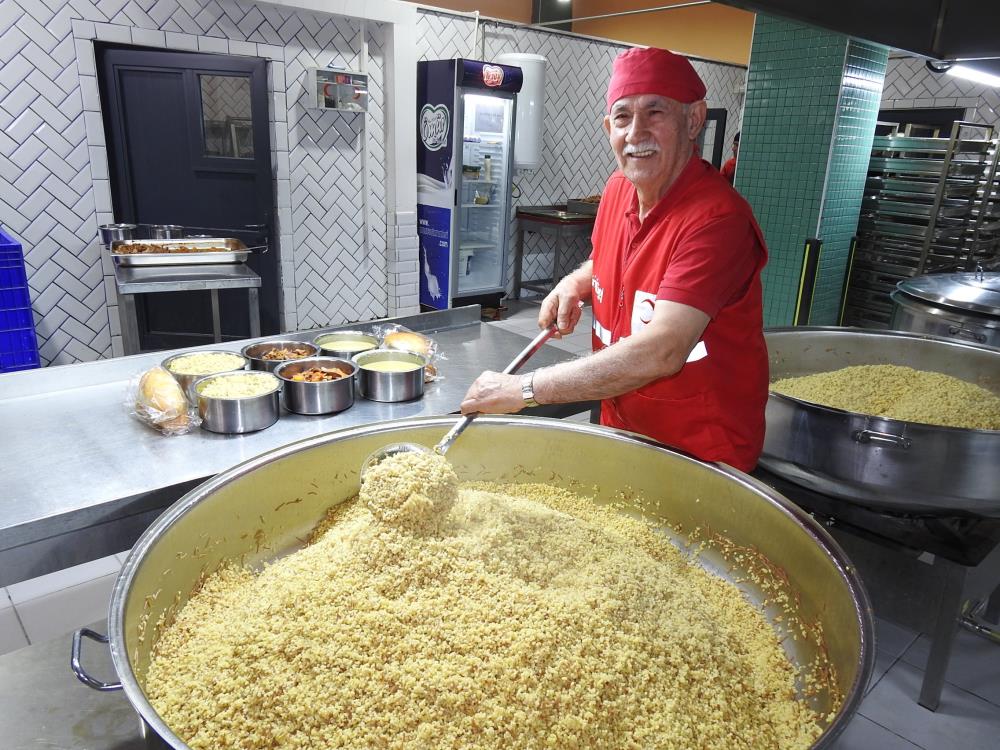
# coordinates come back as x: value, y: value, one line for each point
x: 898, y: 466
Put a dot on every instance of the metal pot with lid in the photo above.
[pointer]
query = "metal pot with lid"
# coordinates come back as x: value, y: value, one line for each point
x: 963, y: 306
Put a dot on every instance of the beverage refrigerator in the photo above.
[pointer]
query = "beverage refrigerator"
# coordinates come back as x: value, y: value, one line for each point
x: 465, y: 155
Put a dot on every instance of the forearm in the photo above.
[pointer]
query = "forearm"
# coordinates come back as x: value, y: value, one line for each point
x: 618, y: 369
x: 581, y: 279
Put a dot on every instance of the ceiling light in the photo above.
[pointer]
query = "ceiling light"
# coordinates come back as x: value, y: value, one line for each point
x: 971, y: 74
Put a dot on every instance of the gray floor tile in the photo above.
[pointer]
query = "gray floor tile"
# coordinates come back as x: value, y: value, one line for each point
x: 962, y: 720
x: 12, y: 636
x: 891, y: 642
x: 865, y: 734
x: 974, y: 664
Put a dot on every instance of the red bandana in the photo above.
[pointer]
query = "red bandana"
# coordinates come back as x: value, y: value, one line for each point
x: 654, y: 71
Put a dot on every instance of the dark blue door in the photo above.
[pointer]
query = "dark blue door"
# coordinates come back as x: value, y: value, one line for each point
x: 189, y: 144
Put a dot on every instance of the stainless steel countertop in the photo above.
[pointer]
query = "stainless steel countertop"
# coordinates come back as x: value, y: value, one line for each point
x: 81, y: 478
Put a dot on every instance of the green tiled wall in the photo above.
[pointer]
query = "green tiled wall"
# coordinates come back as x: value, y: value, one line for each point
x: 860, y: 94
x: 794, y: 114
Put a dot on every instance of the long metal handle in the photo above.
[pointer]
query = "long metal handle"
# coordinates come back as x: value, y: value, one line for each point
x: 516, y: 364
x: 79, y: 671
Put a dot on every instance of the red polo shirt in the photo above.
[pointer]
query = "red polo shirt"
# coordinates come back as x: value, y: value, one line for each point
x: 699, y: 246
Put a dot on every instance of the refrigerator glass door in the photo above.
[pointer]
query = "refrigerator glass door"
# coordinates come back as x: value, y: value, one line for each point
x: 483, y: 209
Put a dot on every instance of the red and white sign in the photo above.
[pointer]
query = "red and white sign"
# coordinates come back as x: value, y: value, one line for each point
x: 492, y: 75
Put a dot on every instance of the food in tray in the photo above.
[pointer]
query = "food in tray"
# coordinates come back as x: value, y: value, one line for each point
x: 897, y: 392
x: 144, y: 248
x: 280, y: 353
x: 426, y: 612
x: 390, y: 365
x: 320, y: 375
x: 346, y: 345
x: 207, y: 363
x: 245, y: 385
x: 591, y: 199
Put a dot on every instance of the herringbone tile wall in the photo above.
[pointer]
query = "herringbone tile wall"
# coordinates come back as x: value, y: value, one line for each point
x: 910, y: 85
x: 577, y: 159
x: 54, y: 183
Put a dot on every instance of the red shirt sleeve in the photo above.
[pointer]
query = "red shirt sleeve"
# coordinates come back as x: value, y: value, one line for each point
x: 713, y: 266
x: 729, y: 170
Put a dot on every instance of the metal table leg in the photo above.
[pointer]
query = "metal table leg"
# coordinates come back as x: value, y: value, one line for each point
x: 943, y: 636
x: 129, y: 323
x: 518, y: 260
x: 254, y: 298
x: 216, y: 318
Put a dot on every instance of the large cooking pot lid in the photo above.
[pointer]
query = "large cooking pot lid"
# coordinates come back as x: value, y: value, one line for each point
x: 978, y: 292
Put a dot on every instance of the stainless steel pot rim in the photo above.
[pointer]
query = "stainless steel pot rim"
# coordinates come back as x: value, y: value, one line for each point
x: 233, y: 373
x: 116, y: 635
x: 316, y: 361
x: 276, y: 343
x: 901, y: 424
x: 164, y: 364
x: 394, y: 355
x: 949, y: 312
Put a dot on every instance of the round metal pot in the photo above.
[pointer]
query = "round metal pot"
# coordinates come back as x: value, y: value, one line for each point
x: 165, y: 231
x: 116, y: 233
x: 922, y: 316
x: 332, y: 344
x: 317, y: 398
x: 903, y: 467
x: 254, y: 352
x: 261, y: 509
x: 390, y: 386
x: 187, y: 381
x: 233, y: 416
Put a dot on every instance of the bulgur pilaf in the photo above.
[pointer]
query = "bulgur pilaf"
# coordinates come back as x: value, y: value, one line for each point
x: 433, y: 615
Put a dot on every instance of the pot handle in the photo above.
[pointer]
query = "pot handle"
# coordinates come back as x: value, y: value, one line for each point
x: 873, y: 436
x: 79, y: 671
x: 974, y: 335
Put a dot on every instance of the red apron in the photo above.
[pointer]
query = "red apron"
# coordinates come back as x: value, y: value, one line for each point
x: 713, y: 408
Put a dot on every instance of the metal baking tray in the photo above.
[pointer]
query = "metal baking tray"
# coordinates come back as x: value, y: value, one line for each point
x: 888, y: 207
x: 579, y: 206
x: 888, y: 186
x: 924, y: 166
x: 928, y: 145
x: 235, y: 252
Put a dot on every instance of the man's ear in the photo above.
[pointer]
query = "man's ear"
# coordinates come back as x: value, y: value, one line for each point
x: 697, y: 114
x: 607, y: 125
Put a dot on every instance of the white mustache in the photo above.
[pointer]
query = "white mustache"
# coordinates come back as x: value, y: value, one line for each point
x: 640, y: 147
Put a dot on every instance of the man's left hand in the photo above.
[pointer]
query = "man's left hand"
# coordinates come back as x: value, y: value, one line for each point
x: 494, y: 393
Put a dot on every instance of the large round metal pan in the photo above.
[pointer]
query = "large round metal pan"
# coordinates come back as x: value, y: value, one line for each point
x: 261, y: 509
x: 903, y: 467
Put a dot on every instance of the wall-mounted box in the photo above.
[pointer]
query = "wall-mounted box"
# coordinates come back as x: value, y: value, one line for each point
x: 343, y: 90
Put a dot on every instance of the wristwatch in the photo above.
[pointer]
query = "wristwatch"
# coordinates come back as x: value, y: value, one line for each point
x: 528, y: 390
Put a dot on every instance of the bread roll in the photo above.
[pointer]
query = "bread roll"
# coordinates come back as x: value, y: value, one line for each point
x: 162, y: 399
x: 408, y: 341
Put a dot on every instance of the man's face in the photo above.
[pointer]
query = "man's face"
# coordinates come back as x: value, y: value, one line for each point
x: 736, y: 148
x: 652, y: 137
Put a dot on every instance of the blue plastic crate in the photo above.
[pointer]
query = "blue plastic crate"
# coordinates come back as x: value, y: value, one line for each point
x: 18, y: 345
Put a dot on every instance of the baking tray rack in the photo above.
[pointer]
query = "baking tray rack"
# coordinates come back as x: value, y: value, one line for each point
x: 929, y: 145
x: 898, y: 165
x: 231, y: 251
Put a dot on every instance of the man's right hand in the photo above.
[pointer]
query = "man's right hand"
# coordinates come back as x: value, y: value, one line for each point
x: 563, y: 305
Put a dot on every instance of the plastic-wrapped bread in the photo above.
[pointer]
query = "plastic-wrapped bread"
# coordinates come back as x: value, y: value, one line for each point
x: 157, y: 399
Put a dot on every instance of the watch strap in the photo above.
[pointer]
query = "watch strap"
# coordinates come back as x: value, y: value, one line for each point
x: 528, y: 390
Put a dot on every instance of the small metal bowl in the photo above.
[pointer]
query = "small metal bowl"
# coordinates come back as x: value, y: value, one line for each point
x: 237, y: 415
x: 254, y: 352
x: 187, y: 381
x: 345, y: 344
x: 165, y: 231
x: 390, y: 386
x: 325, y: 397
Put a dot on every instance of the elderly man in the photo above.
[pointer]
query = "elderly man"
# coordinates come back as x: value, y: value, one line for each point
x: 674, y: 278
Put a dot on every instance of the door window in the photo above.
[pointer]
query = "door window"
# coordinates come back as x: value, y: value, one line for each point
x: 225, y: 112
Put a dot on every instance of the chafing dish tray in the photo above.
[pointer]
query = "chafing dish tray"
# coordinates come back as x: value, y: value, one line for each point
x: 184, y: 252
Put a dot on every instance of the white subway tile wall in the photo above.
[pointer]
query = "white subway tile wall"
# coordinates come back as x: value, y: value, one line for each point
x: 53, y: 148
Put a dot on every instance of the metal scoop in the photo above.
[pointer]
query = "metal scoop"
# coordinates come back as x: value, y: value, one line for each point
x: 442, y: 447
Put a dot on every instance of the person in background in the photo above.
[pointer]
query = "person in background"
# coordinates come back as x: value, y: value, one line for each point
x: 674, y: 278
x: 729, y: 168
